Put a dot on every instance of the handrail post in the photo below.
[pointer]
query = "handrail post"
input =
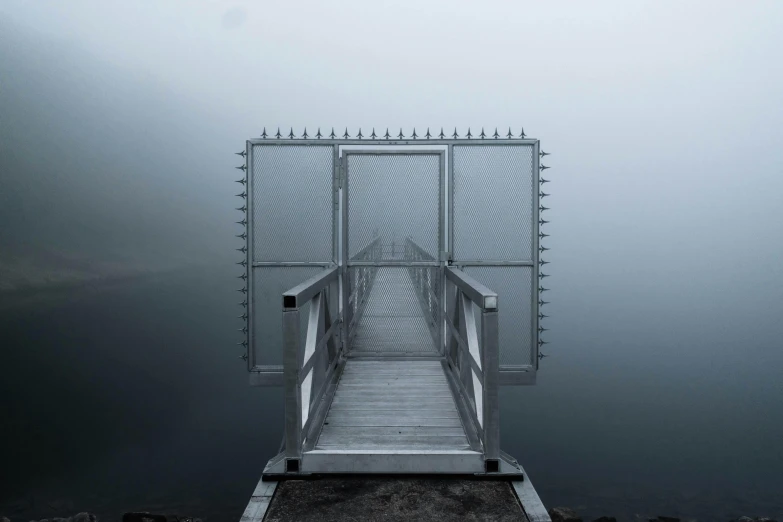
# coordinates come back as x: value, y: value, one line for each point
x: 292, y: 348
x: 490, y: 366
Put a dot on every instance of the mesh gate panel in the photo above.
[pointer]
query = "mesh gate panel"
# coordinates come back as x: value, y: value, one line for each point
x: 292, y: 203
x: 393, y: 197
x: 393, y: 316
x: 513, y: 285
x: 493, y: 202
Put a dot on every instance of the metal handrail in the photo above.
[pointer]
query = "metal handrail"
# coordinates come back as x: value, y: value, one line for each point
x: 300, y: 373
x: 477, y: 360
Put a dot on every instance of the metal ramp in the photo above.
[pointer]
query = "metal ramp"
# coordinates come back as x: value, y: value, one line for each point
x: 408, y: 278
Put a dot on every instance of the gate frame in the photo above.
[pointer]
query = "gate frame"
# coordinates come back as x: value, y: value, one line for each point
x: 272, y: 375
x: 441, y: 258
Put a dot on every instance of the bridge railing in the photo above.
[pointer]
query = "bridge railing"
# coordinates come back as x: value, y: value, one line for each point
x: 360, y: 280
x: 473, y: 355
x: 309, y: 360
x: 427, y: 283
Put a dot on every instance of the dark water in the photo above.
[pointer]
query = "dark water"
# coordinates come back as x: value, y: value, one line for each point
x: 129, y: 395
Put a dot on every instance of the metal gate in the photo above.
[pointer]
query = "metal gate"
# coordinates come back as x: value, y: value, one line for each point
x: 389, y: 220
x: 393, y: 201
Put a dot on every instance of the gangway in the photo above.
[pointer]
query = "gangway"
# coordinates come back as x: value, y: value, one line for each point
x: 406, y: 274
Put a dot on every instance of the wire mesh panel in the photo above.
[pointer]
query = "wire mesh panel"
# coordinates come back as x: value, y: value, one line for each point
x: 291, y: 213
x: 514, y: 285
x: 394, y: 197
x: 492, y: 201
x: 494, y: 237
x: 390, y: 317
x: 292, y: 203
x: 393, y: 202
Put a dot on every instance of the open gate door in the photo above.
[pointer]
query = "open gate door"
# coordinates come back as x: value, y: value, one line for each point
x: 494, y: 232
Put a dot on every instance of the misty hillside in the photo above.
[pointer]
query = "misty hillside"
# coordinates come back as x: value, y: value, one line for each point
x: 102, y: 171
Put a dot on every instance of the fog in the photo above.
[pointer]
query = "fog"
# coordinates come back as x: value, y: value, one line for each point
x: 118, y: 124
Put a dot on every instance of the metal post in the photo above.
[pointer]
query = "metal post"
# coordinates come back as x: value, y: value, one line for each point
x: 490, y: 367
x: 343, y: 174
x: 292, y: 348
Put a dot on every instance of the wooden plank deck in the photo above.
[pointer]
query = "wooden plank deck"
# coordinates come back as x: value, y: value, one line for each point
x: 389, y: 405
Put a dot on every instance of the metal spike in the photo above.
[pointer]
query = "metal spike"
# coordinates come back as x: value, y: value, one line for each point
x: 542, y: 316
x: 373, y: 136
x: 542, y: 181
x: 304, y: 134
x: 387, y: 135
x: 263, y: 134
x: 401, y: 136
x: 243, y: 343
x: 542, y: 222
x: 278, y: 133
x: 242, y: 209
x: 318, y: 134
x: 542, y: 154
x: 332, y: 135
x: 496, y: 135
x: 441, y: 135
x: 455, y: 136
x: 482, y: 135
x: 542, y: 329
x: 542, y: 235
x: 522, y: 134
x: 241, y: 153
x: 543, y: 167
x: 243, y: 249
x: 346, y: 135
x: 360, y: 133
x: 428, y: 135
x: 542, y: 194
x: 541, y: 355
x: 243, y: 222
x: 243, y: 357
x: 243, y: 263
x: 542, y: 302
x: 242, y: 168
x: 243, y: 329
x: 291, y: 134
x: 542, y: 289
x: 509, y: 135
x: 242, y: 236
x: 242, y: 195
x: 243, y: 290
x: 469, y: 135
x: 243, y: 316
x: 542, y: 275
x: 243, y: 277
x: 543, y: 208
x: 542, y: 249
x: 541, y: 262
x: 541, y: 342
x: 414, y: 133
x: 243, y: 303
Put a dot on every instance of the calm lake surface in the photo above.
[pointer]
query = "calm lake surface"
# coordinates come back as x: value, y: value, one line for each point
x: 129, y: 395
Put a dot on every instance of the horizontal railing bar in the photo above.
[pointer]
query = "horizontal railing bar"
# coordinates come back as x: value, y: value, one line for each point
x: 465, y: 350
x: 487, y: 262
x: 308, y: 364
x: 303, y: 292
x: 262, y: 264
x: 328, y: 142
x: 393, y: 263
x: 475, y: 291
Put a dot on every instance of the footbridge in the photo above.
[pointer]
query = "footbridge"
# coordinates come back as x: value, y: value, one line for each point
x: 392, y: 289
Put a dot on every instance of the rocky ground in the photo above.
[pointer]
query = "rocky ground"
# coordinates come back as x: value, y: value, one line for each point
x: 563, y: 514
x: 558, y: 514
